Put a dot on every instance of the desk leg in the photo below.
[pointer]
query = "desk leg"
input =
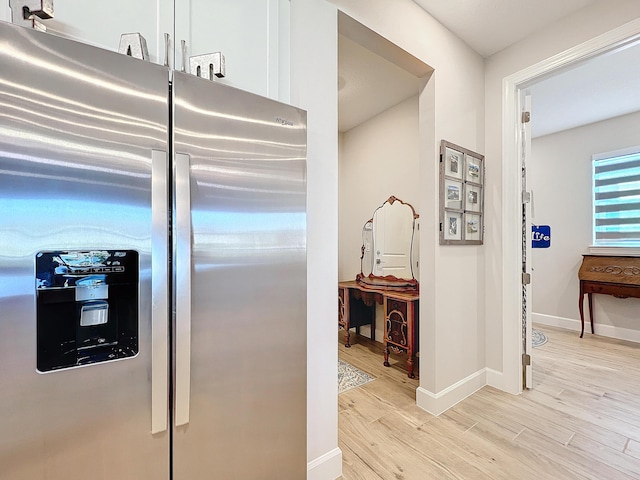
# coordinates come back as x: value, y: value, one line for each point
x: 410, y: 362
x: 373, y: 323
x: 590, y: 311
x: 387, y: 329
x: 581, y: 308
x: 344, y: 313
x: 411, y: 353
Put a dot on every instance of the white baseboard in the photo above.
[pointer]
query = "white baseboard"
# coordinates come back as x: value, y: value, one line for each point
x: 495, y: 379
x: 572, y: 324
x: 437, y: 403
x: 553, y: 321
x: 326, y: 467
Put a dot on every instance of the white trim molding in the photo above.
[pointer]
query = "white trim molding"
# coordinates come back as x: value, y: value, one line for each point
x: 614, y: 251
x: 437, y: 403
x: 511, y: 176
x: 326, y: 467
x: 610, y: 331
x: 560, y: 322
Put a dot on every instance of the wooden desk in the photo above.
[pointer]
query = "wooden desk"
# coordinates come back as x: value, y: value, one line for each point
x: 356, y: 307
x: 617, y: 276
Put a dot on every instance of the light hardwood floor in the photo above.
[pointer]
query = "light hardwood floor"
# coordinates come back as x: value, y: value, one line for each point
x: 580, y: 421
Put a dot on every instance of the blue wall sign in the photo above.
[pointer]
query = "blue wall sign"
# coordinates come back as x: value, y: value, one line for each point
x: 540, y: 236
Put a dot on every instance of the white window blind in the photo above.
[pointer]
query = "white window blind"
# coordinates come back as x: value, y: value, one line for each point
x: 616, y: 199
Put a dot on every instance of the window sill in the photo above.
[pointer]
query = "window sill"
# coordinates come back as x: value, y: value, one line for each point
x: 614, y: 251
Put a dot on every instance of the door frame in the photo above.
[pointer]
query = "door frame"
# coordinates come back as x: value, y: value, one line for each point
x: 524, y: 105
x: 511, y: 186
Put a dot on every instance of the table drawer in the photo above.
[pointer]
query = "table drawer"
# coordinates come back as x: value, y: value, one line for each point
x: 611, y: 289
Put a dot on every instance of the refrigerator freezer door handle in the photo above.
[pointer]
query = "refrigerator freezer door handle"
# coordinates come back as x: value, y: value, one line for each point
x: 183, y: 289
x: 159, y: 292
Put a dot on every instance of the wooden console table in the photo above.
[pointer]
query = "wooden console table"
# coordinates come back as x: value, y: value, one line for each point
x: 617, y: 276
x: 356, y: 307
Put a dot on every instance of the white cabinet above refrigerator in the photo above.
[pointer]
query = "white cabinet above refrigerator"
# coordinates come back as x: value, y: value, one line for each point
x: 253, y: 35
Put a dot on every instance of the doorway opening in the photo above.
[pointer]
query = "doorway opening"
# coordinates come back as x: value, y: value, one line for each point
x: 385, y: 130
x: 535, y: 79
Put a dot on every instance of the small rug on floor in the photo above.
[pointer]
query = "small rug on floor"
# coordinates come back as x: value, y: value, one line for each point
x: 538, y: 338
x: 351, y: 377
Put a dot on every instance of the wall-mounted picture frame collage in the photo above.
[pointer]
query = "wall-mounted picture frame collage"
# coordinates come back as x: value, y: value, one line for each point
x: 461, y: 195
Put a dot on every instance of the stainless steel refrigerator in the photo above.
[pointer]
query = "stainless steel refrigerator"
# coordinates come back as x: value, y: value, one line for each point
x: 152, y: 271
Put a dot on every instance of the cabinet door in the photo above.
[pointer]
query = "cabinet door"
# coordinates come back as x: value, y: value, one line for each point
x: 101, y: 24
x: 5, y: 12
x: 251, y: 34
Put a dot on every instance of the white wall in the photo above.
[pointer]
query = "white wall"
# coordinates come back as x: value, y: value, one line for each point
x: 558, y: 37
x: 560, y: 175
x: 314, y: 73
x: 378, y: 158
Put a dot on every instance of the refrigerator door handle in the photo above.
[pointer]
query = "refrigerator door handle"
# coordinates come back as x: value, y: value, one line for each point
x: 159, y: 291
x: 183, y: 289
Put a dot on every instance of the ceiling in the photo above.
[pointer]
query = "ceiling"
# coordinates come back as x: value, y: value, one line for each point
x: 368, y: 84
x: 601, y: 88
x: 489, y: 26
x: 604, y: 87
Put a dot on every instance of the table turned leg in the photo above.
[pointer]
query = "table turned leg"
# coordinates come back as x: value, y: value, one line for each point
x: 347, y: 337
x: 581, y: 308
x: 590, y: 311
x: 410, y: 361
x: 386, y: 355
x: 373, y: 324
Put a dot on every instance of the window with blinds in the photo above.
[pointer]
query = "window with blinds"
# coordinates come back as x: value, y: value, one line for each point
x: 616, y: 199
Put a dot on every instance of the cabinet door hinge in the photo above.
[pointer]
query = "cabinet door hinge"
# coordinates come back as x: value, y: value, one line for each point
x: 526, y: 197
x: 526, y: 278
x: 526, y: 359
x: 440, y: 226
x: 526, y: 117
x: 28, y: 13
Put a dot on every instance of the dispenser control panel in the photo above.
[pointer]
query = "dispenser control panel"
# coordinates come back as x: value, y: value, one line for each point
x: 87, y: 307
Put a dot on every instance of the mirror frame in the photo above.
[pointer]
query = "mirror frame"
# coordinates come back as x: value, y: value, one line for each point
x: 388, y: 281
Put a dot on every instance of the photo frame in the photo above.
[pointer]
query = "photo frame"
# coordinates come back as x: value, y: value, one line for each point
x: 472, y: 226
x: 454, y: 163
x: 454, y: 193
x: 473, y: 170
x: 462, y: 175
x: 472, y: 198
x: 453, y: 225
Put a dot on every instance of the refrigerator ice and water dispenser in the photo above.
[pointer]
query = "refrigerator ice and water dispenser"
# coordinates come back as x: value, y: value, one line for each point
x: 87, y: 307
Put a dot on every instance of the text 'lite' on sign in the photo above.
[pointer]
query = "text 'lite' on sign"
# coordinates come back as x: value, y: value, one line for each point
x: 540, y: 236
